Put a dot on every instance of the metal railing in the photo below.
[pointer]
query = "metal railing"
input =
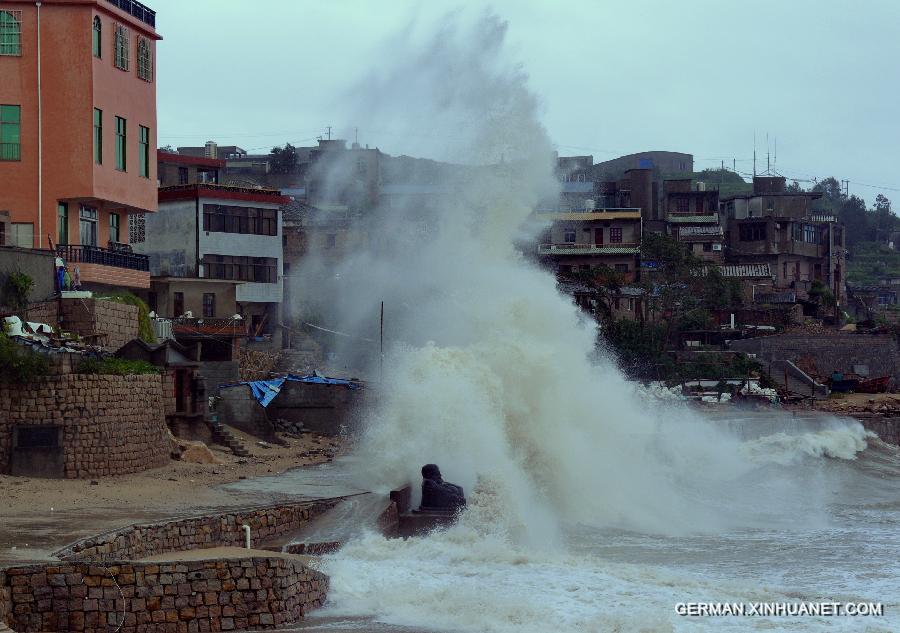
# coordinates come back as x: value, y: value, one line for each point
x: 132, y: 7
x: 10, y: 151
x: 105, y: 257
x: 585, y: 248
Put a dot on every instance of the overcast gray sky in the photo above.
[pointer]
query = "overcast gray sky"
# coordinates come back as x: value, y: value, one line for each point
x: 696, y: 76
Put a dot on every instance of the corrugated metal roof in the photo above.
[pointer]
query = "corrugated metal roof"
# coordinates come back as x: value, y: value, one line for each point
x: 693, y: 219
x: 700, y: 230
x: 788, y: 296
x: 746, y: 270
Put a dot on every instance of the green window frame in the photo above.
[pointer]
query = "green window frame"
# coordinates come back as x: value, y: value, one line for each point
x: 11, y: 33
x: 144, y: 153
x: 114, y: 228
x: 98, y: 136
x: 97, y: 37
x: 10, y: 132
x: 62, y: 223
x: 121, y: 143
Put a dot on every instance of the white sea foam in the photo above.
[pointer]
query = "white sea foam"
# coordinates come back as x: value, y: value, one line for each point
x: 843, y: 441
x: 490, y: 373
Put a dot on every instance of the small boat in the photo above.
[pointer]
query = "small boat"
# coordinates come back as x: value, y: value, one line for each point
x: 874, y: 385
x: 421, y: 521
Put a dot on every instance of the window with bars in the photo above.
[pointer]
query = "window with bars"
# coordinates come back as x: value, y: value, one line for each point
x: 120, y: 143
x: 257, y: 269
x: 144, y: 59
x: 144, y: 152
x: 615, y: 235
x: 682, y: 205
x: 228, y: 219
x: 209, y: 305
x: 96, y: 37
x: 11, y: 33
x: 10, y: 132
x: 98, y: 136
x: 137, y: 228
x: 121, y: 43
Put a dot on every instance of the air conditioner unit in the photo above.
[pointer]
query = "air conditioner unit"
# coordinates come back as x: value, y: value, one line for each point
x: 717, y: 247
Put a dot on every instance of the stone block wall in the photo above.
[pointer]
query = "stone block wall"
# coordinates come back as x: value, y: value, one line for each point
x: 886, y: 428
x: 210, y: 595
x: 110, y: 425
x: 820, y: 354
x: 218, y: 530
x: 117, y: 321
x: 43, y: 312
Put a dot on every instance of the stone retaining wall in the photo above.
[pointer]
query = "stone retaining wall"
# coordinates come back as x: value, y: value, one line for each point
x: 107, y: 425
x: 118, y: 322
x: 887, y: 429
x: 218, y: 530
x: 211, y: 595
x: 820, y: 354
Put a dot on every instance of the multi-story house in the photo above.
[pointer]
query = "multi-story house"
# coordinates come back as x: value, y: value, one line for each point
x: 780, y: 228
x: 216, y: 252
x: 78, y: 131
x: 692, y: 218
x: 179, y: 169
x: 584, y: 240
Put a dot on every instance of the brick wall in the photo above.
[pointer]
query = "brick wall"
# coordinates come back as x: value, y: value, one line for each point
x: 118, y: 321
x: 43, y: 312
x: 114, y: 276
x: 823, y: 353
x: 211, y: 595
x: 218, y: 530
x: 111, y: 425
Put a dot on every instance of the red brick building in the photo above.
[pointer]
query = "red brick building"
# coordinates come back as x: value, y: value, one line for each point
x: 78, y: 130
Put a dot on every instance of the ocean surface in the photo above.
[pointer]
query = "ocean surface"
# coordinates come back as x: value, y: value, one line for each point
x: 832, y: 534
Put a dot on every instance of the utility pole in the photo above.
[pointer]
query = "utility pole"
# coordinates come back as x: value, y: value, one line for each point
x: 846, y: 184
x: 328, y: 128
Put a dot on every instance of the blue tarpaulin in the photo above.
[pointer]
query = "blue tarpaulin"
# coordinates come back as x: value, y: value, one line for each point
x: 265, y: 390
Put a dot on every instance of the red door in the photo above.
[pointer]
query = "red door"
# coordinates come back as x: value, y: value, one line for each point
x: 598, y: 237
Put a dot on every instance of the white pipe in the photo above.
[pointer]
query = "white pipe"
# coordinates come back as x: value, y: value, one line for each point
x: 40, y: 124
x: 246, y: 529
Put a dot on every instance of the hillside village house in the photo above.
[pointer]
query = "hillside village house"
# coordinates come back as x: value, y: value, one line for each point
x: 585, y: 240
x: 780, y: 228
x: 216, y: 252
x: 79, y: 145
x: 692, y: 218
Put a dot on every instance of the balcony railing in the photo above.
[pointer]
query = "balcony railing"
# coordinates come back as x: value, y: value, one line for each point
x: 138, y: 10
x: 614, y: 248
x: 103, y: 256
x: 228, y: 328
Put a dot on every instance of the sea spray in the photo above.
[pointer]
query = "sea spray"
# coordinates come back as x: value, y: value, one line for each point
x: 593, y: 507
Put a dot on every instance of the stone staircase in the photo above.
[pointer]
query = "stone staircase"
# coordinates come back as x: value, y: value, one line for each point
x: 795, y: 381
x: 223, y: 436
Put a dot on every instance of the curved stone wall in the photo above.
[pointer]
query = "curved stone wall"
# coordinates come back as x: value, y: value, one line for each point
x: 107, y: 425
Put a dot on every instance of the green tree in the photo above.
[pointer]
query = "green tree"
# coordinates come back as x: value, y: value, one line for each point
x: 284, y: 159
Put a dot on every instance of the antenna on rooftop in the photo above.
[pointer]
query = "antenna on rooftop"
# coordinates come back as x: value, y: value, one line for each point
x: 754, y: 153
x: 768, y: 161
x: 356, y: 136
x: 328, y: 128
